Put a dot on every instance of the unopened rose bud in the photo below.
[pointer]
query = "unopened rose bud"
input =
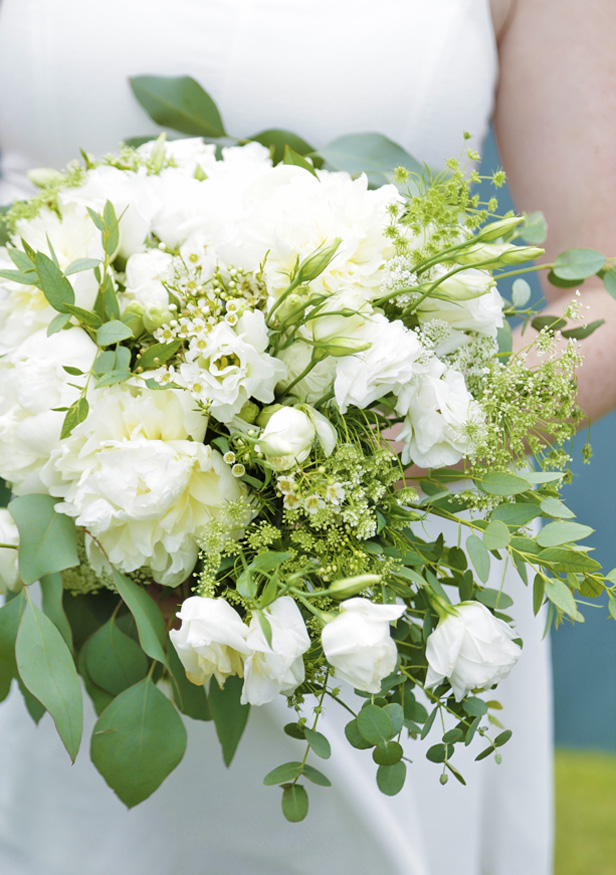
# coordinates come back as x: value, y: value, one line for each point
x: 266, y: 414
x: 340, y: 346
x: 249, y: 411
x: 42, y: 176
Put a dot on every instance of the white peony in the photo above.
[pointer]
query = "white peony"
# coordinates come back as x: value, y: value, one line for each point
x: 9, y: 566
x: 269, y: 671
x: 211, y: 640
x: 392, y: 360
x: 472, y: 648
x: 33, y: 381
x: 136, y: 475
x: 146, y: 275
x: 358, y: 644
x: 438, y: 410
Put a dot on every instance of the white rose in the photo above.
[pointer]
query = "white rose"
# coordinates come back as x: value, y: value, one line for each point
x: 211, y: 640
x: 279, y: 668
x: 437, y: 406
x: 287, y: 438
x: 473, y: 649
x: 483, y: 313
x: 392, y: 360
x: 9, y: 568
x: 357, y: 643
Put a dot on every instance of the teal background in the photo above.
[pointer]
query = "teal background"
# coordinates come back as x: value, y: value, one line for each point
x: 584, y: 655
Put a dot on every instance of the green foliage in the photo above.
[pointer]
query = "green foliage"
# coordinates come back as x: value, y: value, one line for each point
x: 114, y: 661
x: 367, y: 153
x: 51, y: 603
x: 294, y: 803
x: 48, y: 672
x: 47, y: 541
x: 149, y: 620
x: 578, y: 264
x: 137, y: 741
x: 229, y: 716
x: 179, y: 103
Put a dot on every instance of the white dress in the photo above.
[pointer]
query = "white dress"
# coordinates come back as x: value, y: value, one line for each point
x: 421, y: 72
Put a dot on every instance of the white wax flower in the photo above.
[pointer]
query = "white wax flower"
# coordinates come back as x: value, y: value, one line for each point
x: 232, y: 366
x: 287, y: 438
x: 9, y: 567
x: 438, y: 408
x: 358, y: 644
x: 392, y: 360
x: 472, y: 648
x: 211, y: 640
x: 269, y: 671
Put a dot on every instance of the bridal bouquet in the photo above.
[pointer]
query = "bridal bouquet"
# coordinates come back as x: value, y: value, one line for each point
x: 215, y: 372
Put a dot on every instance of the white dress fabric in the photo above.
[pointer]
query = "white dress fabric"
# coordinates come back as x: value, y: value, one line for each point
x: 420, y: 72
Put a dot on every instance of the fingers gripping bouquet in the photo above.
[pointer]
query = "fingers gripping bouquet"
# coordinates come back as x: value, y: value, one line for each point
x: 203, y: 355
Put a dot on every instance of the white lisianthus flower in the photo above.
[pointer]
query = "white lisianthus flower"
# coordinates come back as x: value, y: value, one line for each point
x: 232, y: 366
x: 358, y: 644
x: 211, y: 640
x: 440, y: 415
x: 269, y: 671
x: 33, y: 381
x: 393, y: 359
x: 9, y: 567
x: 472, y: 648
x: 483, y: 313
x: 130, y: 475
x: 287, y: 438
x: 317, y: 382
x: 146, y: 274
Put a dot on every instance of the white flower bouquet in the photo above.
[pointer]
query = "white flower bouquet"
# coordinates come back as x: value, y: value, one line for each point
x: 205, y: 355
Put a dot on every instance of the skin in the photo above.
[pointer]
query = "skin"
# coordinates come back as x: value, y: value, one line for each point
x: 555, y: 122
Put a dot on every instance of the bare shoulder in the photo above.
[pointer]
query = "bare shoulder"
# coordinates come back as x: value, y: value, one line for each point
x: 502, y: 11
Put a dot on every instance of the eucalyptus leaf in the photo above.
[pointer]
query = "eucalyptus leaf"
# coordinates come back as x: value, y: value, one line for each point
x: 112, y: 332
x: 479, y: 556
x: 229, y: 715
x: 47, y: 540
x: 114, y: 661
x: 535, y: 229
x: 555, y: 508
x: 562, y: 532
x: 295, y: 803
x: 363, y: 153
x: 496, y: 536
x: 137, y: 741
x: 179, y: 103
x: 149, y: 620
x: 100, y: 698
x: 561, y: 596
x: 52, y: 592
x: 10, y: 618
x: 568, y: 559
x: 158, y: 354
x: 291, y: 157
x: 48, y: 672
x: 191, y: 698
x: 520, y: 292
x: 517, y: 515
x: 578, y: 264
x: 56, y: 288
x: 583, y: 331
x: 502, y: 483
x: 354, y: 736
x: 390, y: 779
x: 609, y: 280
x: 75, y: 415
x: 388, y: 754
x: 374, y: 724
x: 276, y: 139
x: 318, y: 742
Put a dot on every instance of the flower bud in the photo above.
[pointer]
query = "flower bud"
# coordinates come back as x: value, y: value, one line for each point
x: 316, y: 263
x: 249, y: 411
x: 349, y: 586
x: 266, y: 414
x: 42, y: 176
x: 340, y: 346
x: 499, y: 229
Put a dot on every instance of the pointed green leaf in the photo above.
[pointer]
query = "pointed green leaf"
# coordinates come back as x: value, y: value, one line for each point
x: 553, y: 507
x: 56, y: 288
x: 282, y: 774
x: 137, y: 741
x: 114, y: 661
x: 557, y: 533
x: 10, y: 618
x: 363, y: 153
x: 567, y: 559
x: 112, y: 332
x: 583, y: 331
x: 479, y: 556
x: 100, y: 698
x: 316, y: 776
x: 560, y: 595
x: 228, y: 714
x: 538, y: 593
x: 47, y: 670
x: 609, y: 281
x: 149, y: 620
x: 33, y: 706
x: 291, y: 157
x: 179, y: 103
x: 47, y: 541
x: 158, y: 354
x: 276, y: 139
x: 52, y: 592
x: 190, y: 698
x: 58, y: 323
x: 76, y: 414
x: 516, y: 515
x: 503, y: 483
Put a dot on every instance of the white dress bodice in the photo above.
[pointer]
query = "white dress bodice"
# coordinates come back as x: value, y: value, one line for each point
x: 420, y: 72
